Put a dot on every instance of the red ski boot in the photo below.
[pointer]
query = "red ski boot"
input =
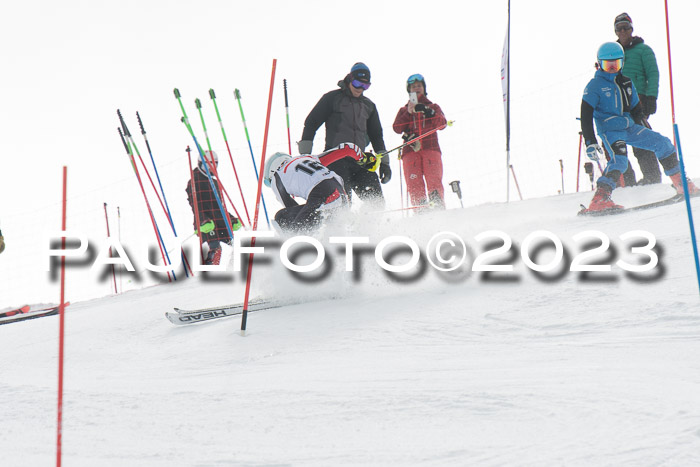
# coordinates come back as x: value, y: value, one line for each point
x: 678, y: 185
x: 601, y: 201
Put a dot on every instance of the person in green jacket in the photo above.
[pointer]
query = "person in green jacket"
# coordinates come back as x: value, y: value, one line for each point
x: 640, y: 66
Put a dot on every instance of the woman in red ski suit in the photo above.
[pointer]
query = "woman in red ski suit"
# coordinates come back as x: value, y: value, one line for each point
x: 422, y: 160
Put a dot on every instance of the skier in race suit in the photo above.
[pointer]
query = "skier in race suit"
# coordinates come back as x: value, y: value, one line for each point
x: 308, y: 177
x: 611, y: 100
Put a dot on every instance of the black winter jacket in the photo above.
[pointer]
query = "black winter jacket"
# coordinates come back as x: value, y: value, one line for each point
x: 347, y: 118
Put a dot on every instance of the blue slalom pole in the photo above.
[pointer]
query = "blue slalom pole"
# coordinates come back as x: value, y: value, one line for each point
x: 211, y: 183
x: 237, y: 94
x: 128, y: 144
x: 162, y: 192
x: 687, y: 202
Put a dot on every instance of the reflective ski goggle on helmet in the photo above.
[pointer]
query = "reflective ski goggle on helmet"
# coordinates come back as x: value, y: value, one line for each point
x: 417, y: 77
x: 360, y: 84
x: 611, y: 66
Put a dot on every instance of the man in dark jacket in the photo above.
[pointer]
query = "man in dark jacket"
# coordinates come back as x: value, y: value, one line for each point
x: 213, y: 227
x: 640, y: 66
x: 349, y: 116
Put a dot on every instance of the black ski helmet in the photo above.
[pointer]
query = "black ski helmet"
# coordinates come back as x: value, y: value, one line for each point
x: 412, y: 79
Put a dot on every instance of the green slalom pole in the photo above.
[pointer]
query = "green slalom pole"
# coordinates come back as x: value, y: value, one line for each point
x: 237, y: 93
x: 235, y: 172
x: 198, y: 104
x: 186, y: 121
x: 286, y: 109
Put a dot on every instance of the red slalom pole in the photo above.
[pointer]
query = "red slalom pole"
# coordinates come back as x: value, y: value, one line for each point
x: 114, y: 276
x: 516, y: 182
x: 196, y: 206
x: 670, y: 70
x: 61, y: 328
x: 244, y: 315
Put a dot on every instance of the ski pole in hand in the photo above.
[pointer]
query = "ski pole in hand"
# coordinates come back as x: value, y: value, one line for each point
x: 417, y: 138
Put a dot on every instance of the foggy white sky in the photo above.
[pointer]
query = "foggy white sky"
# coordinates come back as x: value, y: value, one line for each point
x: 68, y: 66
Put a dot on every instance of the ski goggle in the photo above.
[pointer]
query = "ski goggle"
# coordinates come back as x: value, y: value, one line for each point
x: 623, y: 26
x: 417, y: 77
x: 360, y: 84
x: 611, y: 66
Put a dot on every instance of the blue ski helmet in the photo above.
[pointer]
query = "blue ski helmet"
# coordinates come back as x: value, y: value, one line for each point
x: 273, y: 164
x: 412, y: 79
x: 611, y: 57
x: 610, y: 51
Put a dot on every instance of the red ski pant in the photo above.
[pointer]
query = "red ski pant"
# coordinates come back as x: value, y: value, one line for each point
x: 423, y: 169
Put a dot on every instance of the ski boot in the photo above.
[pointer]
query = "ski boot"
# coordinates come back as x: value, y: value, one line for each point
x: 601, y: 201
x: 678, y: 185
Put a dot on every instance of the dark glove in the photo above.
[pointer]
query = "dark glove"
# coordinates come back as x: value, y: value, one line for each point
x: 427, y: 111
x: 305, y: 146
x: 408, y: 136
x: 384, y: 173
x: 649, y: 105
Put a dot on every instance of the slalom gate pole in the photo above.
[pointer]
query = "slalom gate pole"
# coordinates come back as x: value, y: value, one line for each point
x: 61, y: 328
x: 561, y: 164
x: 670, y: 67
x: 159, y: 238
x: 132, y: 144
x: 578, y: 164
x: 196, y: 206
x: 687, y: 203
x: 681, y: 162
x: 244, y: 315
x: 119, y: 235
x: 114, y: 276
x: 237, y: 94
x: 286, y: 110
x: 515, y: 179
x: 205, y: 164
x: 212, y: 165
x: 403, y: 205
x: 235, y: 172
x: 162, y: 192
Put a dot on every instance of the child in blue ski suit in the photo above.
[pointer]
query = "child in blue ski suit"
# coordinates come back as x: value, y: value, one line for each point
x: 611, y: 100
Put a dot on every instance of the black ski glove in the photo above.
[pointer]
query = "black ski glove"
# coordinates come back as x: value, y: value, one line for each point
x: 427, y: 111
x: 408, y: 136
x: 649, y: 105
x: 384, y: 173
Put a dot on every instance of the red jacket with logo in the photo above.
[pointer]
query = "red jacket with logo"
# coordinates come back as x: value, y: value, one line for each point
x: 417, y: 123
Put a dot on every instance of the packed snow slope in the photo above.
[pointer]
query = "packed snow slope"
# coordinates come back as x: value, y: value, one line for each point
x: 511, y: 368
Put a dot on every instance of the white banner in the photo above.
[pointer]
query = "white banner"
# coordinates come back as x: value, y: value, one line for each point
x: 504, y: 75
